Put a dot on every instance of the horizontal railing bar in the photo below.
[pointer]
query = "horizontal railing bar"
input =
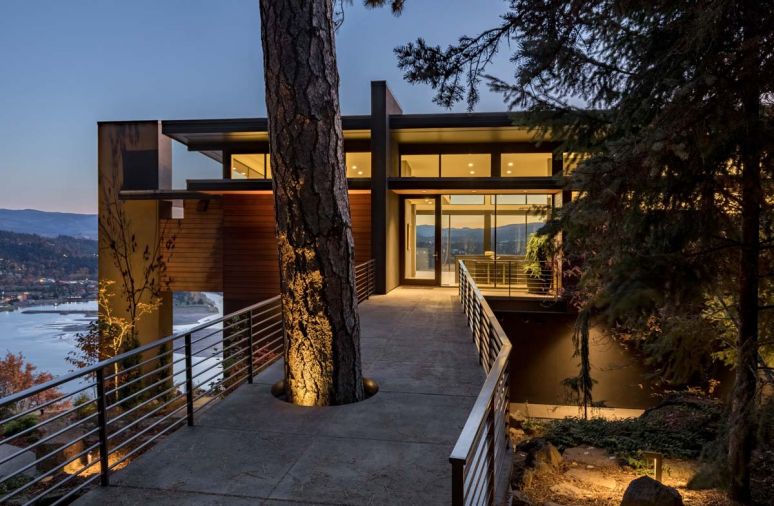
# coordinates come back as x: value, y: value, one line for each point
x: 146, y: 443
x: 47, y: 474
x: 140, y: 378
x: 123, y: 356
x: 38, y: 407
x: 145, y: 403
x: 126, y: 370
x: 146, y: 429
x: 73, y: 491
x: 46, y: 439
x: 44, y: 422
x: 47, y: 456
x: 150, y: 413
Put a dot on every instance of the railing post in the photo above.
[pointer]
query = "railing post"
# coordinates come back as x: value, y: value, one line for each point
x: 250, y: 349
x: 458, y: 483
x: 491, y: 441
x: 189, y: 380
x: 510, y: 276
x: 104, y: 469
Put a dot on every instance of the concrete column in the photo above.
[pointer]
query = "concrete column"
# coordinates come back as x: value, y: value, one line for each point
x: 383, y: 104
x: 133, y: 156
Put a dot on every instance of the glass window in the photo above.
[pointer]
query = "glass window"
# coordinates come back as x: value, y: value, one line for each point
x: 249, y: 166
x: 525, y: 165
x: 358, y: 164
x: 466, y: 165
x: 466, y: 200
x: 419, y: 166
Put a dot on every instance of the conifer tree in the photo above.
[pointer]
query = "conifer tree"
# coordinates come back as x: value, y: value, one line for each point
x: 671, y: 105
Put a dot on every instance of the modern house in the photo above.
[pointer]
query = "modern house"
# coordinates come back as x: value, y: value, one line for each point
x: 425, y: 191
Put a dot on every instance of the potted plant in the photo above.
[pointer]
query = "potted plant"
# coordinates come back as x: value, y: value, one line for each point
x: 536, y: 263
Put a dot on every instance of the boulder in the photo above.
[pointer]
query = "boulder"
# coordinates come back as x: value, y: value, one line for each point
x: 23, y: 459
x: 539, y: 451
x: 645, y: 491
x: 64, y: 447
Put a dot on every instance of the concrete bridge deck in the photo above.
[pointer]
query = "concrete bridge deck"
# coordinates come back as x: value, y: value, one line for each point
x: 251, y: 448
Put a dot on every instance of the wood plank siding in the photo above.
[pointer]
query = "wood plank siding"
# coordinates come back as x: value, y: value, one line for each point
x: 195, y: 264
x: 229, y: 246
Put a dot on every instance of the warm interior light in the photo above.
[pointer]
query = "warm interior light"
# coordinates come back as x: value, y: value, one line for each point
x: 470, y: 164
x: 508, y: 171
x: 510, y: 164
x: 472, y: 171
x: 360, y: 173
x: 354, y: 167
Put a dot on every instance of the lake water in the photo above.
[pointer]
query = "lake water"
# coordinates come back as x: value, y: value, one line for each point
x: 45, y: 339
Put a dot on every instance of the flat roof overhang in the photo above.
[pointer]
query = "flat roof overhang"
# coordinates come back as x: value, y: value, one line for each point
x: 468, y: 184
x: 215, y: 134
x: 224, y: 186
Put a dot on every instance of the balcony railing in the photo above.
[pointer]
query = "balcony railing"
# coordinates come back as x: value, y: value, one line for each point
x: 75, y: 430
x: 513, y: 276
x: 481, y: 458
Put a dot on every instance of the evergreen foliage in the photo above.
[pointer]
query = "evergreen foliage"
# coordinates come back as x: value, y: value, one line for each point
x: 668, y: 106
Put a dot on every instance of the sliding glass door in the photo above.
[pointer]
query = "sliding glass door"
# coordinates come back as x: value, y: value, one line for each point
x: 420, y: 241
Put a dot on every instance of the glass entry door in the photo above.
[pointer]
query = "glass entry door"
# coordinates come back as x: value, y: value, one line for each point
x: 421, y: 241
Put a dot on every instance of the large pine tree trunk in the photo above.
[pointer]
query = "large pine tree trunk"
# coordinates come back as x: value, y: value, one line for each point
x: 314, y: 229
x: 742, y: 417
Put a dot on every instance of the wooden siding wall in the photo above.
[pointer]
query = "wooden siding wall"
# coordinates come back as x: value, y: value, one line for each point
x: 250, y: 266
x: 360, y: 209
x: 195, y: 263
x: 231, y: 247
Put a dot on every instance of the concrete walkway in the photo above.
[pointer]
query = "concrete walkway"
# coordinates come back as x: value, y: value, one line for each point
x: 391, y: 449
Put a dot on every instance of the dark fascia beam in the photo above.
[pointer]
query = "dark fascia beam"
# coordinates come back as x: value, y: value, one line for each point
x: 208, y: 126
x: 475, y: 183
x: 458, y: 120
x: 164, y: 195
x: 245, y: 185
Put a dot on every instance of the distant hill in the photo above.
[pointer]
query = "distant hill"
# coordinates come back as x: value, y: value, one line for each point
x: 25, y: 258
x: 48, y: 224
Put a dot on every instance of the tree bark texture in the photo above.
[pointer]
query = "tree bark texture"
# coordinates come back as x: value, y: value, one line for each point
x: 314, y: 229
x: 741, y: 434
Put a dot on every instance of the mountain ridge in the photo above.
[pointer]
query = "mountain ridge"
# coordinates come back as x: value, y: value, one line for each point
x: 48, y: 223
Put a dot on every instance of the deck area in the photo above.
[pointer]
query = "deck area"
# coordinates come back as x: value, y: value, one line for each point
x: 251, y: 448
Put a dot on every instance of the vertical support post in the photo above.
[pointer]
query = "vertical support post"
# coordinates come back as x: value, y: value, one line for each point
x: 510, y: 276
x: 250, y: 348
x: 104, y: 470
x: 458, y: 482
x: 189, y: 380
x: 490, y: 454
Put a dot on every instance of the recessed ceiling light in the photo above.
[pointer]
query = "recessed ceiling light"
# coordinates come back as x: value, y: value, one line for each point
x: 354, y: 167
x: 470, y: 164
x: 508, y: 171
x: 472, y: 171
x: 510, y: 164
x: 360, y: 173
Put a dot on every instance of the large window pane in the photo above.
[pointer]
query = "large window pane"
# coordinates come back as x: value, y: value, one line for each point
x: 248, y: 166
x: 419, y: 166
x: 466, y: 165
x: 525, y: 165
x: 358, y: 164
x: 419, y: 239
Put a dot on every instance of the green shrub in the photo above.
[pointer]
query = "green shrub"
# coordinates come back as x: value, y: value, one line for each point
x: 15, y: 426
x: 676, y: 430
x: 85, y: 405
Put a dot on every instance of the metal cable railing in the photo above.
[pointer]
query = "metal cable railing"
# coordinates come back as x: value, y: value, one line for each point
x: 514, y: 276
x: 64, y: 435
x: 481, y: 458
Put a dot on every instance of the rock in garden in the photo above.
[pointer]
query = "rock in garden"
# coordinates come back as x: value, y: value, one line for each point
x: 645, y: 491
x: 540, y: 451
